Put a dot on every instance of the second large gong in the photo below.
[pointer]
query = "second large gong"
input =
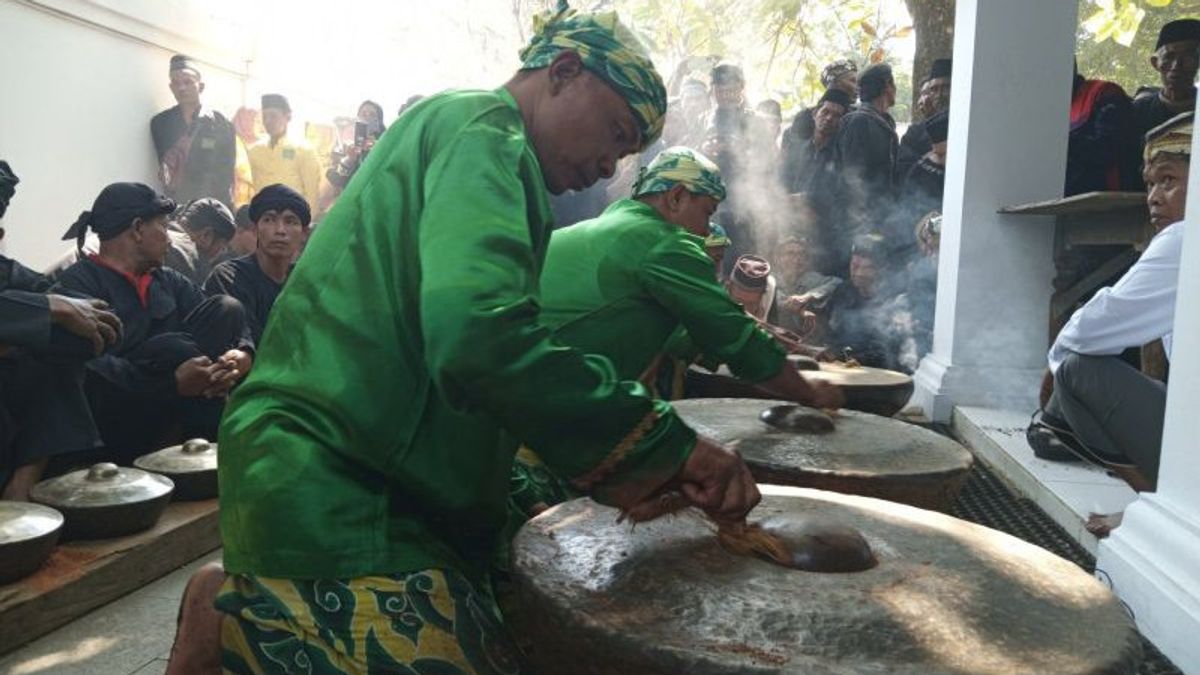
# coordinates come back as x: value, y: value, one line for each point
x: 864, y: 455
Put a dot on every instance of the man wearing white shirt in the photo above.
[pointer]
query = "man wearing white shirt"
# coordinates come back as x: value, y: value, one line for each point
x: 1100, y: 407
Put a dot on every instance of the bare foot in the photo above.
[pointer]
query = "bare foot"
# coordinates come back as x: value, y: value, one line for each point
x: 1101, y: 524
x: 197, y: 647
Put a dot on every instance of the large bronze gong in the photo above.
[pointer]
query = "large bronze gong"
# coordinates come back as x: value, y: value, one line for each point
x: 947, y: 596
x: 873, y: 390
x: 865, y: 454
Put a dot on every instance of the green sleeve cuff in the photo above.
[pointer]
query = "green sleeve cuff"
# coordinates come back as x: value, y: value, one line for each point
x: 655, y: 459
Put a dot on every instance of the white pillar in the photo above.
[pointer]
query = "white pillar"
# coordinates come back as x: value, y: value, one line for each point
x: 1153, y: 558
x: 1009, y: 111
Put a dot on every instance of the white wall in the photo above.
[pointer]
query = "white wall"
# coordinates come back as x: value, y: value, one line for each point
x: 74, y: 116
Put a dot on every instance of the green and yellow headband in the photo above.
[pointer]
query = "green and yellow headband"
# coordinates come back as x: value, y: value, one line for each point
x: 680, y: 166
x: 609, y: 50
x: 716, y: 236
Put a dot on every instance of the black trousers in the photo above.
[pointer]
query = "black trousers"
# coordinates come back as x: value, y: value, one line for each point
x: 43, y: 411
x: 134, y: 423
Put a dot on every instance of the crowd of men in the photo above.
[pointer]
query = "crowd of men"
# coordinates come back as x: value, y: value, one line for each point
x: 449, y: 309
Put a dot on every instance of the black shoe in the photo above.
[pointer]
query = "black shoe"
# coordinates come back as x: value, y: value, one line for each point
x: 1052, y: 439
x: 1046, y: 442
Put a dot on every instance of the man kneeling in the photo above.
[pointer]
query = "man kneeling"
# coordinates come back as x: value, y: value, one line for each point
x: 1099, y: 407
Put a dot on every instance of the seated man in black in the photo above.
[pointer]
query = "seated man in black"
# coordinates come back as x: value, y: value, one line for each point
x: 44, y: 341
x: 200, y: 239
x: 280, y: 215
x: 862, y: 312
x: 180, y: 354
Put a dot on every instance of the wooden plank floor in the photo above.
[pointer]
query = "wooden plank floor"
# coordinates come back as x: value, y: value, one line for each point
x: 80, y: 576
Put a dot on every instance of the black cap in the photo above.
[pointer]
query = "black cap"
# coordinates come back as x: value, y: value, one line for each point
x: 1178, y: 31
x: 181, y: 62
x: 209, y: 213
x: 728, y: 73
x: 937, y: 127
x: 116, y: 208
x: 940, y: 68
x: 868, y: 246
x: 277, y: 101
x: 836, y: 96
x: 8, y: 185
x: 278, y: 197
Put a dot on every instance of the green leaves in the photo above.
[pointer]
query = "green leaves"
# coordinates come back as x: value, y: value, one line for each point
x: 1118, y: 20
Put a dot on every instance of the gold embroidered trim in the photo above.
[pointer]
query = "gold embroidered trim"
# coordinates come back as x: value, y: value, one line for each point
x: 589, y: 480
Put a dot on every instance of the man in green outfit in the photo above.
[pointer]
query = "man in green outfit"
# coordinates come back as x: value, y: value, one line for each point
x: 620, y: 285
x: 365, y: 462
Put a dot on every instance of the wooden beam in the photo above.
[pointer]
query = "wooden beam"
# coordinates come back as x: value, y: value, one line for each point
x: 1065, y: 300
x: 82, y: 575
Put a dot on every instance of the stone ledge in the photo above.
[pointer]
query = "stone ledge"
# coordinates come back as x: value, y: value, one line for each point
x: 1068, y: 493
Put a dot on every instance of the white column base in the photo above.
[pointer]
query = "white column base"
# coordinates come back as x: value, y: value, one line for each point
x: 1152, y: 562
x: 939, y: 387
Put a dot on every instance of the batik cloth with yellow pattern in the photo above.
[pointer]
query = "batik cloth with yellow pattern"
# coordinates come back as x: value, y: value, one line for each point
x: 680, y: 166
x: 428, y: 622
x: 607, y: 49
x: 1172, y: 137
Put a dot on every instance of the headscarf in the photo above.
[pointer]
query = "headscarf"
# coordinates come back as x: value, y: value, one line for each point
x: 716, y: 236
x: 181, y: 62
x: 836, y: 96
x: 609, y: 50
x: 1173, y: 136
x: 277, y: 101
x: 836, y: 71
x: 680, y: 166
x: 276, y: 198
x: 115, y: 209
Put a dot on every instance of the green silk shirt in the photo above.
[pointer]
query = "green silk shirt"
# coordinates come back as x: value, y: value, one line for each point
x: 620, y: 284
x: 406, y: 358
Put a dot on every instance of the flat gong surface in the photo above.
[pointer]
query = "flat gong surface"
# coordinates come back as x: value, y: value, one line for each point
x: 860, y: 444
x: 946, y: 597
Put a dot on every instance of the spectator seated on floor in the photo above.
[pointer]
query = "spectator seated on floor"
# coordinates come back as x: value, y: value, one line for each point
x: 245, y: 238
x: 862, y: 312
x: 45, y: 339
x: 200, y: 239
x: 1094, y: 405
x: 752, y: 286
x: 280, y: 215
x: 802, y: 293
x: 179, y: 353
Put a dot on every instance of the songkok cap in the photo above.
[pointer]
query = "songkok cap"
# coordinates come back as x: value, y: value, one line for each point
x: 279, y: 197
x: 1173, y: 136
x: 115, y: 209
x: 181, y: 62
x: 609, y: 50
x: 836, y: 96
x: 836, y: 71
x: 277, y: 101
x: 937, y: 127
x: 940, y: 68
x: 680, y: 166
x: 751, y: 271
x: 1178, y: 31
x: 209, y: 213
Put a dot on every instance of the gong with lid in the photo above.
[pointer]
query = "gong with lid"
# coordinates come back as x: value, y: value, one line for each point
x: 192, y: 466
x: 105, y: 500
